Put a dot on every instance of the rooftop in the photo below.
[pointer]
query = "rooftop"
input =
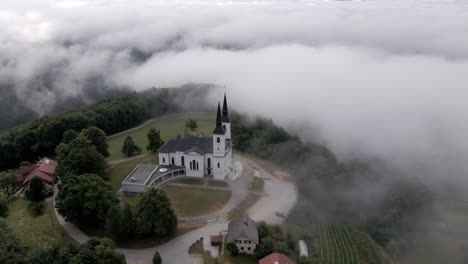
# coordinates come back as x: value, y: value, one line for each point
x: 141, y: 173
x: 242, y: 226
x: 200, y: 145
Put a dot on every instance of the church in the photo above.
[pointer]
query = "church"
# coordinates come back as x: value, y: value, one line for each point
x: 209, y: 157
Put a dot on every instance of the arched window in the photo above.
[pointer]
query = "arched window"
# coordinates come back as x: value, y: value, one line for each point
x: 218, y: 139
x: 209, y: 163
x: 218, y: 165
x: 224, y: 126
x: 182, y: 160
x: 172, y: 161
x: 164, y: 160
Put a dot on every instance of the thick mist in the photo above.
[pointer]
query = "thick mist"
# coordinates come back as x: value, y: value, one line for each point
x: 370, y: 79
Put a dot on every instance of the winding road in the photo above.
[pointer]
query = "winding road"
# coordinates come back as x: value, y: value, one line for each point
x: 280, y: 196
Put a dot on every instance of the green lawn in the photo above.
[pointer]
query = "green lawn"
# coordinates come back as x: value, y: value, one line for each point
x: 218, y: 184
x: 35, y: 232
x: 169, y: 126
x: 189, y: 201
x: 192, y: 181
x: 120, y: 171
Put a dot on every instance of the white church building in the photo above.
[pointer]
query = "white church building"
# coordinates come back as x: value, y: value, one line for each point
x: 203, y: 157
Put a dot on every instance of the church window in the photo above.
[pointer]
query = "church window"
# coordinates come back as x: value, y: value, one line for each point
x: 182, y: 160
x: 164, y: 160
x: 218, y: 165
x: 172, y: 161
x: 224, y: 126
x: 197, y: 165
x: 190, y: 165
x: 218, y: 139
x: 209, y: 163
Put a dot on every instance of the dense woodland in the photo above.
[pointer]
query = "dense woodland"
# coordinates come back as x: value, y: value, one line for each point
x: 370, y: 197
x: 41, y: 137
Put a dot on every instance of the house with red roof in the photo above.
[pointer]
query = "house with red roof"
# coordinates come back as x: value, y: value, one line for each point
x: 44, y: 169
x: 276, y: 258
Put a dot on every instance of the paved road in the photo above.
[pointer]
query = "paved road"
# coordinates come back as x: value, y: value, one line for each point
x: 281, y: 197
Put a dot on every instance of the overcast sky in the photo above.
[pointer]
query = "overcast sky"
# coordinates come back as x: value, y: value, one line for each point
x: 380, y: 78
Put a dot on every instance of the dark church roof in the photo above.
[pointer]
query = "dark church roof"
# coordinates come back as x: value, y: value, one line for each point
x: 225, y: 110
x: 219, y: 130
x: 200, y: 145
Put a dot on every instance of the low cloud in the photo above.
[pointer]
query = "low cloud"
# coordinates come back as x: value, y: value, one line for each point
x: 367, y: 78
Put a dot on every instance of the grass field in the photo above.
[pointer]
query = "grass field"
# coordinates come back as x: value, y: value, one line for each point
x: 118, y: 172
x: 35, y: 232
x: 169, y: 126
x: 189, y: 201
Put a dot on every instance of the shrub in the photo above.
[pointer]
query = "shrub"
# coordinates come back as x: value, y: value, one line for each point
x: 36, y: 208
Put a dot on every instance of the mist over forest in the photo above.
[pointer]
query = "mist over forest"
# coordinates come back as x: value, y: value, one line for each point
x: 383, y: 83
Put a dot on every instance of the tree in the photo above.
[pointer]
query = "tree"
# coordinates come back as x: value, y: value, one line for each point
x: 155, y: 215
x: 104, y: 250
x: 3, y: 207
x: 114, y: 225
x: 129, y: 148
x: 128, y: 222
x: 79, y: 157
x: 232, y: 248
x: 11, y: 250
x: 36, y: 190
x: 154, y: 140
x: 7, y: 182
x: 86, y: 198
x: 69, y: 135
x: 191, y: 124
x: 157, y: 258
x: 98, y: 139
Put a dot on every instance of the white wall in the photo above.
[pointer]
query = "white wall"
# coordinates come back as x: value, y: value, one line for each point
x: 219, y: 173
x: 243, y: 245
x: 164, y: 156
x: 201, y: 165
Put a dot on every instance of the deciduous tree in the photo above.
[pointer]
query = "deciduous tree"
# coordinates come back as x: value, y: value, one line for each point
x: 36, y: 190
x: 155, y: 215
x: 85, y: 198
x: 154, y: 140
x: 98, y: 139
x: 129, y: 148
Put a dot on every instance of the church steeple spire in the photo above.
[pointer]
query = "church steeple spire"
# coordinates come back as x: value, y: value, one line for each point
x: 219, y: 130
x: 225, y: 110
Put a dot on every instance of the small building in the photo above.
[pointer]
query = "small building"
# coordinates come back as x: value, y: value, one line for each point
x: 276, y: 258
x: 216, y: 240
x: 44, y: 169
x: 244, y: 234
x: 145, y: 176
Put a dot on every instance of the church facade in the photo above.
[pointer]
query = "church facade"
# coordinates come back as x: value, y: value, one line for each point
x: 208, y: 156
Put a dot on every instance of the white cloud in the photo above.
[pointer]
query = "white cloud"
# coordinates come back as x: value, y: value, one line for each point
x: 377, y: 78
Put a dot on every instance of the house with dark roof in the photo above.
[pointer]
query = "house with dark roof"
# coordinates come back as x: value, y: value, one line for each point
x: 208, y: 156
x: 276, y: 258
x: 244, y: 234
x: 44, y: 169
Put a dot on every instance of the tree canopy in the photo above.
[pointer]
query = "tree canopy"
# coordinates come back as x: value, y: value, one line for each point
x: 155, y: 215
x: 154, y: 140
x: 191, y: 124
x: 85, y: 198
x: 129, y: 148
x: 36, y: 190
x: 79, y: 157
x: 98, y: 138
x: 3, y: 207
